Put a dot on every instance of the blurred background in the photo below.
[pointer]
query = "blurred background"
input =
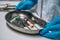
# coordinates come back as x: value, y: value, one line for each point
x: 11, y: 0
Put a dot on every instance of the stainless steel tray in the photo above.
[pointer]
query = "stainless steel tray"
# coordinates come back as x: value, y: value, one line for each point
x: 40, y: 22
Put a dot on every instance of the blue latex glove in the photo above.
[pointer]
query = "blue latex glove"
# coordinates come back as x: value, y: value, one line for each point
x: 26, y: 5
x: 53, y: 27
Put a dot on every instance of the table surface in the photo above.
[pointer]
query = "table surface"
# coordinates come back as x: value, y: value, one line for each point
x: 7, y: 34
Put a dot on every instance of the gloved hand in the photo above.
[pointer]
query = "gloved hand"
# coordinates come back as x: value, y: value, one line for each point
x: 52, y: 29
x: 26, y: 5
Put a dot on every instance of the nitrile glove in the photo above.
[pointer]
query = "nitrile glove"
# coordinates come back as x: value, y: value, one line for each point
x: 52, y: 29
x: 26, y: 5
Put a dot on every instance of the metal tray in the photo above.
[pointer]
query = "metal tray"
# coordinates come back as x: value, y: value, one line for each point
x: 40, y: 22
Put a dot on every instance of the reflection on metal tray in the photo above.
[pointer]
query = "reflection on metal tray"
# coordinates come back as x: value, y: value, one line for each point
x: 24, y: 21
